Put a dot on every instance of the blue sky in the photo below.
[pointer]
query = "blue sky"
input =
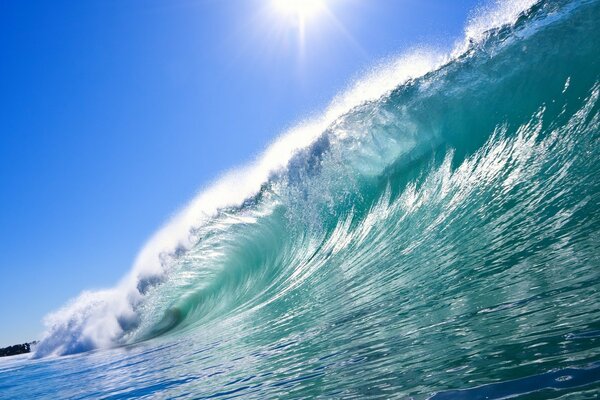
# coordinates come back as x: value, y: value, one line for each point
x: 114, y: 113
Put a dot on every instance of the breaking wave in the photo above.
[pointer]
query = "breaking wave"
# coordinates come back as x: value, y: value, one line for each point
x: 437, y: 191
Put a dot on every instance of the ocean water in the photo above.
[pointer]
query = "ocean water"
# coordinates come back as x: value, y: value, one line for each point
x: 435, y: 234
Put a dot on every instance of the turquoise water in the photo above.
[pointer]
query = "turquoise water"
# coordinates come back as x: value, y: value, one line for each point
x: 441, y: 240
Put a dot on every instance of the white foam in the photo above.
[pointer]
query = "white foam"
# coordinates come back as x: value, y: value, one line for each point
x: 489, y: 16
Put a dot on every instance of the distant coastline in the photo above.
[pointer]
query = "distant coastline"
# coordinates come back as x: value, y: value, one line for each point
x: 16, y: 349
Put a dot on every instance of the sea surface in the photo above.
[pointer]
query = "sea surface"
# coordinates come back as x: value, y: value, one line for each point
x: 435, y: 234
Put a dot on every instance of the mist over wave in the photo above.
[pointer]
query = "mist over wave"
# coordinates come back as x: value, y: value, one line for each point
x: 443, y: 203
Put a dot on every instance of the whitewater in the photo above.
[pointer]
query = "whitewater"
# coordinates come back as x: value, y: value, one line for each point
x: 434, y: 233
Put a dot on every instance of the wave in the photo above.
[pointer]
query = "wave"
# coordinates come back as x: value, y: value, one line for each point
x: 437, y: 163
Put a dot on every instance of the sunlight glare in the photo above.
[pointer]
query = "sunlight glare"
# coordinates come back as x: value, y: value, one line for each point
x: 301, y: 9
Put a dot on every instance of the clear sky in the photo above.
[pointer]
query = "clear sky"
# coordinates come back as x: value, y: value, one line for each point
x: 114, y: 113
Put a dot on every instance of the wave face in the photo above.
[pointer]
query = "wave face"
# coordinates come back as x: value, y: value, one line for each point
x: 438, y: 233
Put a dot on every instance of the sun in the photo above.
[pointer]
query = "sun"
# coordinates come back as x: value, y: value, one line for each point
x: 297, y: 22
x: 299, y: 9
